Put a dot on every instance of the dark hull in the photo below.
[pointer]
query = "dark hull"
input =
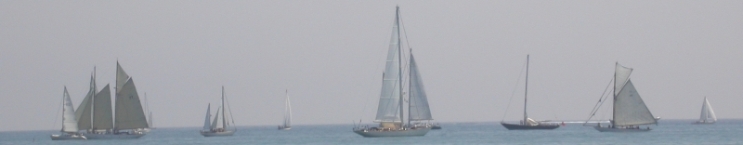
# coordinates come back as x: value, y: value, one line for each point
x: 435, y: 127
x: 528, y: 127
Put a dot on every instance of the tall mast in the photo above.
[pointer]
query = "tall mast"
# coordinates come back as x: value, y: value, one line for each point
x: 410, y: 100
x: 399, y: 59
x: 224, y: 125
x: 526, y: 88
x: 92, y: 103
x: 614, y: 107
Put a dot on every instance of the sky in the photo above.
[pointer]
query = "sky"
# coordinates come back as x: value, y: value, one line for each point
x: 329, y: 56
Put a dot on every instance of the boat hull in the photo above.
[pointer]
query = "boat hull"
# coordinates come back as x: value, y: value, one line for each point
x: 703, y: 123
x: 113, y: 136
x: 606, y: 129
x: 528, y: 127
x: 435, y: 127
x: 284, y: 128
x: 393, y: 133
x: 67, y: 137
x: 215, y: 134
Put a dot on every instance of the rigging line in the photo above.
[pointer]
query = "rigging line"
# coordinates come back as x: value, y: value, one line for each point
x: 229, y: 107
x: 404, y: 31
x: 601, y: 101
x: 513, y: 92
x: 56, y: 115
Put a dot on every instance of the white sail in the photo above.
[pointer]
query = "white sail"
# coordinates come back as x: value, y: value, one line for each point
x: 389, y: 99
x: 102, y: 114
x: 129, y: 113
x: 83, y: 112
x: 68, y: 118
x: 121, y: 77
x: 621, y: 77
x: 287, y: 111
x: 216, y: 121
x: 629, y: 109
x: 419, y: 109
x: 708, y: 115
x: 207, y: 124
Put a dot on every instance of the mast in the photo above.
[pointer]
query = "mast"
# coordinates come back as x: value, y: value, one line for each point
x: 399, y: 59
x: 526, y: 87
x: 410, y: 84
x: 92, y: 103
x: 614, y: 107
x: 224, y: 125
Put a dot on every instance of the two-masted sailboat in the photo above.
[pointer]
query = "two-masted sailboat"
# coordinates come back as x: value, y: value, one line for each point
x: 528, y: 123
x: 220, y: 126
x: 287, y: 114
x: 69, y: 122
x: 95, y: 114
x: 629, y: 110
x: 708, y: 115
x: 390, y: 109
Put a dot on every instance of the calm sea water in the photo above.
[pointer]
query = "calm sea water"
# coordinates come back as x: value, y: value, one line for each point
x: 667, y: 132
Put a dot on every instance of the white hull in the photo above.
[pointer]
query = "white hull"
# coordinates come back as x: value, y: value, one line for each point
x: 67, y: 137
x: 702, y: 122
x: 285, y: 128
x: 114, y: 136
x: 606, y: 129
x: 393, y: 133
x: 211, y: 134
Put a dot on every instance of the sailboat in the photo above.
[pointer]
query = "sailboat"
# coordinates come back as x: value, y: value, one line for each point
x: 213, y: 128
x: 69, y: 122
x: 95, y: 112
x: 629, y: 110
x: 528, y: 123
x: 390, y: 109
x: 287, y: 114
x: 149, y: 116
x: 708, y: 115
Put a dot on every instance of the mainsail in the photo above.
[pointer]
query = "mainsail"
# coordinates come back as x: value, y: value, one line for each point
x: 708, y: 115
x: 216, y: 121
x: 629, y: 109
x: 83, y: 112
x: 389, y: 99
x: 102, y: 114
x: 419, y: 109
x: 129, y: 113
x: 207, y: 124
x: 287, y: 111
x: 68, y: 118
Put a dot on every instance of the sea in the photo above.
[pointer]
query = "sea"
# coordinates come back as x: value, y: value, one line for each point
x: 670, y: 132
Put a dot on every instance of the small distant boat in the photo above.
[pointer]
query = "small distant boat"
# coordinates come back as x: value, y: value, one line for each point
x: 390, y: 108
x: 629, y: 110
x: 528, y: 123
x: 708, y: 115
x: 69, y: 123
x: 214, y: 128
x: 287, y: 114
x: 435, y: 126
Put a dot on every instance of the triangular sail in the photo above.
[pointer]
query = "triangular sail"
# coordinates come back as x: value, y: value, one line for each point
x: 708, y: 115
x: 419, y: 109
x: 102, y: 114
x: 216, y: 121
x: 129, y: 113
x: 389, y: 99
x: 121, y: 77
x: 207, y: 124
x: 287, y: 111
x: 629, y: 109
x: 83, y: 112
x: 621, y: 77
x: 68, y: 118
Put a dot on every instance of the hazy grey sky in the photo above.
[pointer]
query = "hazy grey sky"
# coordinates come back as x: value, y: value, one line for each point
x: 330, y: 55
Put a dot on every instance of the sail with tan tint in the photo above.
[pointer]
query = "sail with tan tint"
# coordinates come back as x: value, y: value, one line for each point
x: 129, y: 113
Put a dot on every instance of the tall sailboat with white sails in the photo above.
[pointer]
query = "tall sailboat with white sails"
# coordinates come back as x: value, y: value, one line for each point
x: 390, y: 109
x: 69, y: 122
x: 629, y: 110
x: 528, y: 123
x: 95, y: 113
x: 220, y: 126
x: 287, y: 114
x: 708, y: 115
